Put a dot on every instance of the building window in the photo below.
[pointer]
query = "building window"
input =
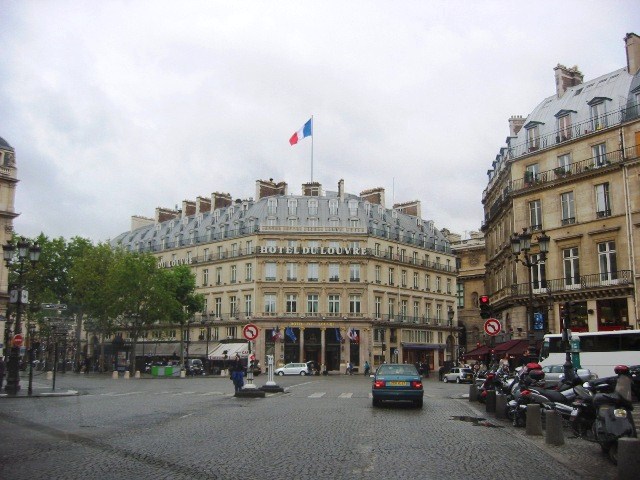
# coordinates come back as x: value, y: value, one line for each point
x: 403, y: 278
x: 533, y: 137
x: 568, y: 208
x: 427, y: 311
x: 378, y: 307
x: 334, y: 222
x: 292, y: 303
x: 270, y: 303
x: 233, y: 306
x: 218, y: 275
x: 312, y: 222
x: 535, y: 215
x: 403, y: 309
x: 334, y: 304
x: 313, y: 206
x: 376, y: 249
x: 353, y: 208
x: 391, y: 308
x: 333, y: 206
x: 598, y: 116
x: 270, y: 271
x: 231, y: 332
x: 603, y: 205
x: 449, y: 286
x: 571, y: 267
x: 234, y: 274
x: 217, y: 307
x: 334, y: 272
x: 378, y: 273
x: 416, y: 280
x: 391, y: 279
x: 607, y: 261
x: 205, y: 277
x: 564, y: 127
x: 248, y: 305
x: 248, y: 272
x: 354, y: 222
x: 354, y: 303
x: 312, y: 272
x: 438, y: 313
x: 564, y: 164
x: 292, y: 271
x: 599, y: 153
x: 354, y: 272
x: 427, y: 282
x: 272, y: 205
x: 438, y: 283
x: 312, y: 303
x: 538, y: 274
x: 531, y: 174
x: 416, y: 309
x: 460, y: 294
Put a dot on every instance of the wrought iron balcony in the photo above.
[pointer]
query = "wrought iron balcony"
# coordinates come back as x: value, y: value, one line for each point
x: 621, y: 278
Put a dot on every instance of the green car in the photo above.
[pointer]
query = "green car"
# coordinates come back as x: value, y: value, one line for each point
x: 397, y: 382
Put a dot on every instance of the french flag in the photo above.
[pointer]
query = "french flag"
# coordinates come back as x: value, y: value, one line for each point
x: 305, y: 131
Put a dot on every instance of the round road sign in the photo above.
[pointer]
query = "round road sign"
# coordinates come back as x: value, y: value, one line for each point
x: 492, y: 326
x: 17, y: 340
x: 250, y: 331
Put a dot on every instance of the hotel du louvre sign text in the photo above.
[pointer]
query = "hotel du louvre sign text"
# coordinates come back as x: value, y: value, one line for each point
x: 262, y: 250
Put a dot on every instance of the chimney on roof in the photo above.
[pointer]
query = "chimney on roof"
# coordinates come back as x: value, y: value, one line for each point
x: 203, y: 205
x: 632, y: 44
x: 188, y: 208
x: 373, y: 195
x: 341, y: 189
x: 409, y: 208
x: 164, y: 214
x: 515, y: 124
x: 138, y: 221
x: 220, y: 200
x: 267, y: 188
x: 311, y: 189
x: 566, y: 77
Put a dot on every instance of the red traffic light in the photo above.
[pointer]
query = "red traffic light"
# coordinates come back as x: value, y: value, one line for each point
x: 484, y: 300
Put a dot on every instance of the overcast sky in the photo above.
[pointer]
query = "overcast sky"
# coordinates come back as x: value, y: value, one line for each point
x: 116, y: 108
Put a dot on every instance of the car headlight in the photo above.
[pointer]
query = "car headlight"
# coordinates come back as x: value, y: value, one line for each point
x: 620, y: 413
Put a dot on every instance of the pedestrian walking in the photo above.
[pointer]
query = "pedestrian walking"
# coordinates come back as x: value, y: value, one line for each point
x: 367, y: 368
x: 237, y: 374
x: 441, y: 373
x: 2, y: 370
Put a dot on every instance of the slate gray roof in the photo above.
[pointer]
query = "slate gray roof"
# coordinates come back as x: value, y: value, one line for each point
x: 5, y: 145
x: 244, y: 218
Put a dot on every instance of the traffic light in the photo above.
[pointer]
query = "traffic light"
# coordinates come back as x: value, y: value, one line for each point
x: 485, y: 308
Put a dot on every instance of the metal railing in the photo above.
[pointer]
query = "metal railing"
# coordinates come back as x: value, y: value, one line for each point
x: 572, y: 283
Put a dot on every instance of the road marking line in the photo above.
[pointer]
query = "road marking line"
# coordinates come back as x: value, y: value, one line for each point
x: 187, y: 415
x: 317, y: 395
x: 298, y: 385
x: 346, y: 395
x: 211, y: 393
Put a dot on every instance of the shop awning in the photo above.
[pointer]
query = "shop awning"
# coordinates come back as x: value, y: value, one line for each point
x: 199, y: 349
x: 477, y: 353
x: 423, y: 346
x: 162, y: 349
x: 232, y: 349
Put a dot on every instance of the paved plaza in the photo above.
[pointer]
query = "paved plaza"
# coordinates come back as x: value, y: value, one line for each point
x: 320, y: 427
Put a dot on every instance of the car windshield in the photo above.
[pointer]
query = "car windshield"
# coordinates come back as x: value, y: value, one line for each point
x: 466, y: 370
x: 397, y: 370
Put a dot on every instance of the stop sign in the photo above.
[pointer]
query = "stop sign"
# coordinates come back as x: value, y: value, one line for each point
x: 17, y: 340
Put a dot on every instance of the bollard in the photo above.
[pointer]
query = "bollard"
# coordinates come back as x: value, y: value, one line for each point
x: 501, y: 406
x: 183, y: 374
x: 490, y: 400
x: 473, y: 393
x: 114, y: 375
x: 628, y: 458
x: 553, y: 434
x: 137, y: 374
x: 49, y: 375
x: 534, y: 420
x: 126, y: 375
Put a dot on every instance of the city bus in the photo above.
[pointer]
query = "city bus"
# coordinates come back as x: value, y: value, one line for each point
x: 599, y: 351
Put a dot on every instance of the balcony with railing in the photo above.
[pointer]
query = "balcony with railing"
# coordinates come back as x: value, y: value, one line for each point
x: 619, y: 278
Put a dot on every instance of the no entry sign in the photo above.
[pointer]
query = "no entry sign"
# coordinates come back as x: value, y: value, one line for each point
x: 492, y: 326
x: 17, y: 340
x: 250, y: 331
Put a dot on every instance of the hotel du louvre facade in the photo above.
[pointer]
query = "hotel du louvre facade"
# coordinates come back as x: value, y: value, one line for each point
x: 571, y: 170
x: 326, y: 276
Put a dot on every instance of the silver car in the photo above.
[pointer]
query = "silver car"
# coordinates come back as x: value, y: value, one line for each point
x: 293, y: 369
x: 554, y: 374
x: 458, y: 375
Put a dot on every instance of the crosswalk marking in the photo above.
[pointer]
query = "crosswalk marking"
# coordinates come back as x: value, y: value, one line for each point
x: 317, y: 395
x: 346, y: 395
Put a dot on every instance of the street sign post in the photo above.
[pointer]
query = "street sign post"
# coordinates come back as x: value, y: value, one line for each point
x: 492, y: 327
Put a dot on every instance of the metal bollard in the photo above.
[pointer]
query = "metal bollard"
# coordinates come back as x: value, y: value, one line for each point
x: 628, y: 458
x: 553, y: 432
x: 473, y: 393
x: 490, y: 400
x: 501, y: 406
x: 534, y: 420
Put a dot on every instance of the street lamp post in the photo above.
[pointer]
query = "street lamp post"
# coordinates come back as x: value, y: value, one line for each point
x: 18, y: 296
x: 521, y: 244
x: 450, y: 315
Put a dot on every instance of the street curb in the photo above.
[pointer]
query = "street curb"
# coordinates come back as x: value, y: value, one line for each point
x: 67, y: 393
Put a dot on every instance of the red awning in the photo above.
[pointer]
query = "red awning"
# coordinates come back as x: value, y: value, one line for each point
x: 512, y: 347
x: 477, y: 353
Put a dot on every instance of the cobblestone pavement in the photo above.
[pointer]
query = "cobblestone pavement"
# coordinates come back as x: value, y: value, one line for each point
x: 321, y: 427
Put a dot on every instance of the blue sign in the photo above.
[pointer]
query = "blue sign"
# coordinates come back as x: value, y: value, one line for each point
x: 538, y: 321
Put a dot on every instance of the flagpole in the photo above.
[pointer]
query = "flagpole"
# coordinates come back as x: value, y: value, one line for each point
x: 312, y: 135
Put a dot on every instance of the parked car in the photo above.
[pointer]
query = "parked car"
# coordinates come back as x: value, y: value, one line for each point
x: 554, y: 374
x: 397, y: 382
x: 293, y: 369
x: 194, y: 367
x: 458, y: 375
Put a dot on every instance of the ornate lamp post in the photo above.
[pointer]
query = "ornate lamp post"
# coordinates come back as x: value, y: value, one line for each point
x: 450, y: 315
x: 18, y: 296
x: 521, y: 244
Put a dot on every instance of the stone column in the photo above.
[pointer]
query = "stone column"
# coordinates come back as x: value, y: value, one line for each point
x: 323, y: 343
x: 301, y: 355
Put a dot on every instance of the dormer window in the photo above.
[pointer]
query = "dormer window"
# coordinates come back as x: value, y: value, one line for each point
x: 533, y: 135
x: 292, y: 206
x: 564, y: 125
x: 230, y: 212
x: 216, y: 216
x: 313, y: 206
x: 598, y: 112
x: 353, y: 208
x: 272, y: 205
x: 333, y: 206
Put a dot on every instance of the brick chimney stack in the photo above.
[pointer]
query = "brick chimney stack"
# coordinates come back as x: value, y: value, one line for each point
x: 632, y: 44
x: 566, y: 77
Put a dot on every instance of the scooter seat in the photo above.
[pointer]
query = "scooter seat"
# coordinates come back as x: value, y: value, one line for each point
x: 553, y: 395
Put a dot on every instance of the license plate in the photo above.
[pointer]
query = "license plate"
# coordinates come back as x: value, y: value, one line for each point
x: 398, y: 384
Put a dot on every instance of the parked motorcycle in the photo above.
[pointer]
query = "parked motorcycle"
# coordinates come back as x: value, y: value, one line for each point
x: 605, y: 417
